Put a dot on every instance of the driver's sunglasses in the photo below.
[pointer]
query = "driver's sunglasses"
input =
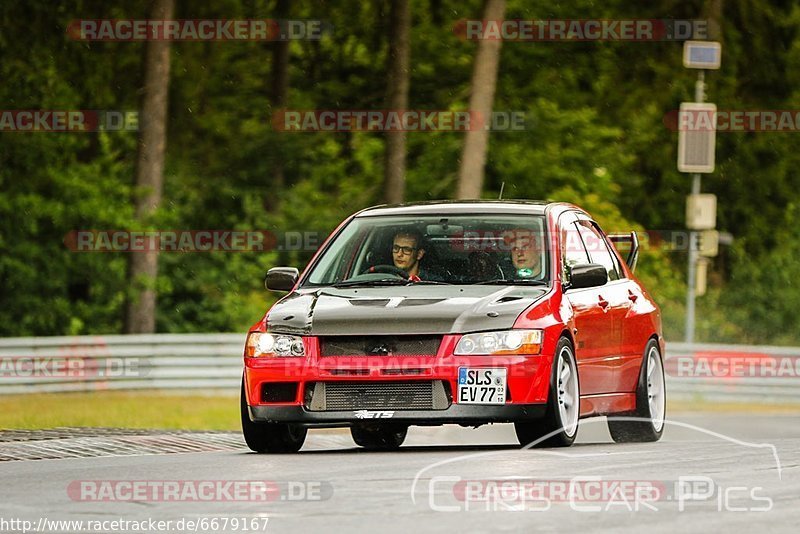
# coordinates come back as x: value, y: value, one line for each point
x: 405, y: 250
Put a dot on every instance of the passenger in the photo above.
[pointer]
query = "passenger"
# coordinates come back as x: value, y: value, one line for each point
x: 526, y: 253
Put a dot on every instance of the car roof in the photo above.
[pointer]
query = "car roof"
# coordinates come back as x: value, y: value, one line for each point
x: 440, y: 207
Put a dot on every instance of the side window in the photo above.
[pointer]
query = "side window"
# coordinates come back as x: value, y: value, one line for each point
x: 573, y: 252
x: 598, y: 248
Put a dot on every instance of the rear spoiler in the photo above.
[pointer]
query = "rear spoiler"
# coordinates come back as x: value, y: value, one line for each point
x: 629, y: 241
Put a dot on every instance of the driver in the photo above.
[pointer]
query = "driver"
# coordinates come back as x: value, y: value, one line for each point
x: 406, y: 251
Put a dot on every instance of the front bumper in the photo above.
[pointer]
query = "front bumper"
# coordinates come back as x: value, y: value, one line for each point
x: 528, y: 381
x: 467, y: 414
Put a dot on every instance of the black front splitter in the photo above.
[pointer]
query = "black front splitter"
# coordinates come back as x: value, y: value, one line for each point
x: 463, y: 414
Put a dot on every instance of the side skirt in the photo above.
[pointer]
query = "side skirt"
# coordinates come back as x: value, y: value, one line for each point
x: 607, y: 403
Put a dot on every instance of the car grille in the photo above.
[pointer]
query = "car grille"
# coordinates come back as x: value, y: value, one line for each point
x: 379, y: 345
x: 394, y: 395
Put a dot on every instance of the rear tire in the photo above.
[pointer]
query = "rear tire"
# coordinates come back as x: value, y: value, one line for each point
x: 650, y: 403
x: 270, y: 437
x: 384, y: 438
x: 563, y: 404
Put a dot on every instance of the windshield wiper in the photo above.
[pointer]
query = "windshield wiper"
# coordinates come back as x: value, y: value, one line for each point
x: 372, y: 283
x: 389, y: 282
x: 514, y: 282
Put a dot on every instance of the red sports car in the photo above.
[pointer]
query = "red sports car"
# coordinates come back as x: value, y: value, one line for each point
x: 466, y: 312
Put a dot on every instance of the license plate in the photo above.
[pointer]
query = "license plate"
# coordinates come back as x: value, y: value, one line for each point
x: 480, y: 385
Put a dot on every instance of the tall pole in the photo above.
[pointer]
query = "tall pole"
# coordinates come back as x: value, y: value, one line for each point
x: 699, y: 96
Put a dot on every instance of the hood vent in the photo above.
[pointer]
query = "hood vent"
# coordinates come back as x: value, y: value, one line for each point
x: 508, y: 298
x: 419, y: 302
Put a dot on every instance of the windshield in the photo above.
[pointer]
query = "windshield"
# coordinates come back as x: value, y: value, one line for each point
x: 463, y: 249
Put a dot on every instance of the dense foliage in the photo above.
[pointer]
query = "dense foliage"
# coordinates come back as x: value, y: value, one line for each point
x: 595, y: 135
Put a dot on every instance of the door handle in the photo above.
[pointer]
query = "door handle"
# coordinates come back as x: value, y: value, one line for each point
x: 603, y: 303
x: 631, y: 296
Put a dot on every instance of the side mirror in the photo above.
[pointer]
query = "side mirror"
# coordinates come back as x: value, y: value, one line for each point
x: 588, y: 275
x: 281, y: 278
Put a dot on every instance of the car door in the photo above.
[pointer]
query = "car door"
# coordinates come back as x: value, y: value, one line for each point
x: 612, y: 299
x: 596, y: 338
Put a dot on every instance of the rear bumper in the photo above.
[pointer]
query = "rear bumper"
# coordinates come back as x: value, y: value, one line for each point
x: 467, y: 414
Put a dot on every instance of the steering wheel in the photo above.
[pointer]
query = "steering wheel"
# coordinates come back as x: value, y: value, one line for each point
x: 388, y: 269
x: 483, y: 267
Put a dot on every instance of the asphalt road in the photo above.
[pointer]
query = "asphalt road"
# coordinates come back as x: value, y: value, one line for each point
x: 710, y: 473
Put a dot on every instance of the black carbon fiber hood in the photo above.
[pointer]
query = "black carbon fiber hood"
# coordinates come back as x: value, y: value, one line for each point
x: 401, y: 310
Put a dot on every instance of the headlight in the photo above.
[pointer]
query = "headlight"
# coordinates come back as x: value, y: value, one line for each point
x: 501, y: 342
x: 273, y: 345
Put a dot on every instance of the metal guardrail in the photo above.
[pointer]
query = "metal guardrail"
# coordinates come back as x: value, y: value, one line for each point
x: 701, y: 381
x: 150, y: 361
x: 214, y: 362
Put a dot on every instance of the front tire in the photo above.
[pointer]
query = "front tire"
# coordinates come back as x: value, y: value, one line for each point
x: 650, y: 403
x: 270, y: 437
x: 384, y: 438
x: 563, y: 404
